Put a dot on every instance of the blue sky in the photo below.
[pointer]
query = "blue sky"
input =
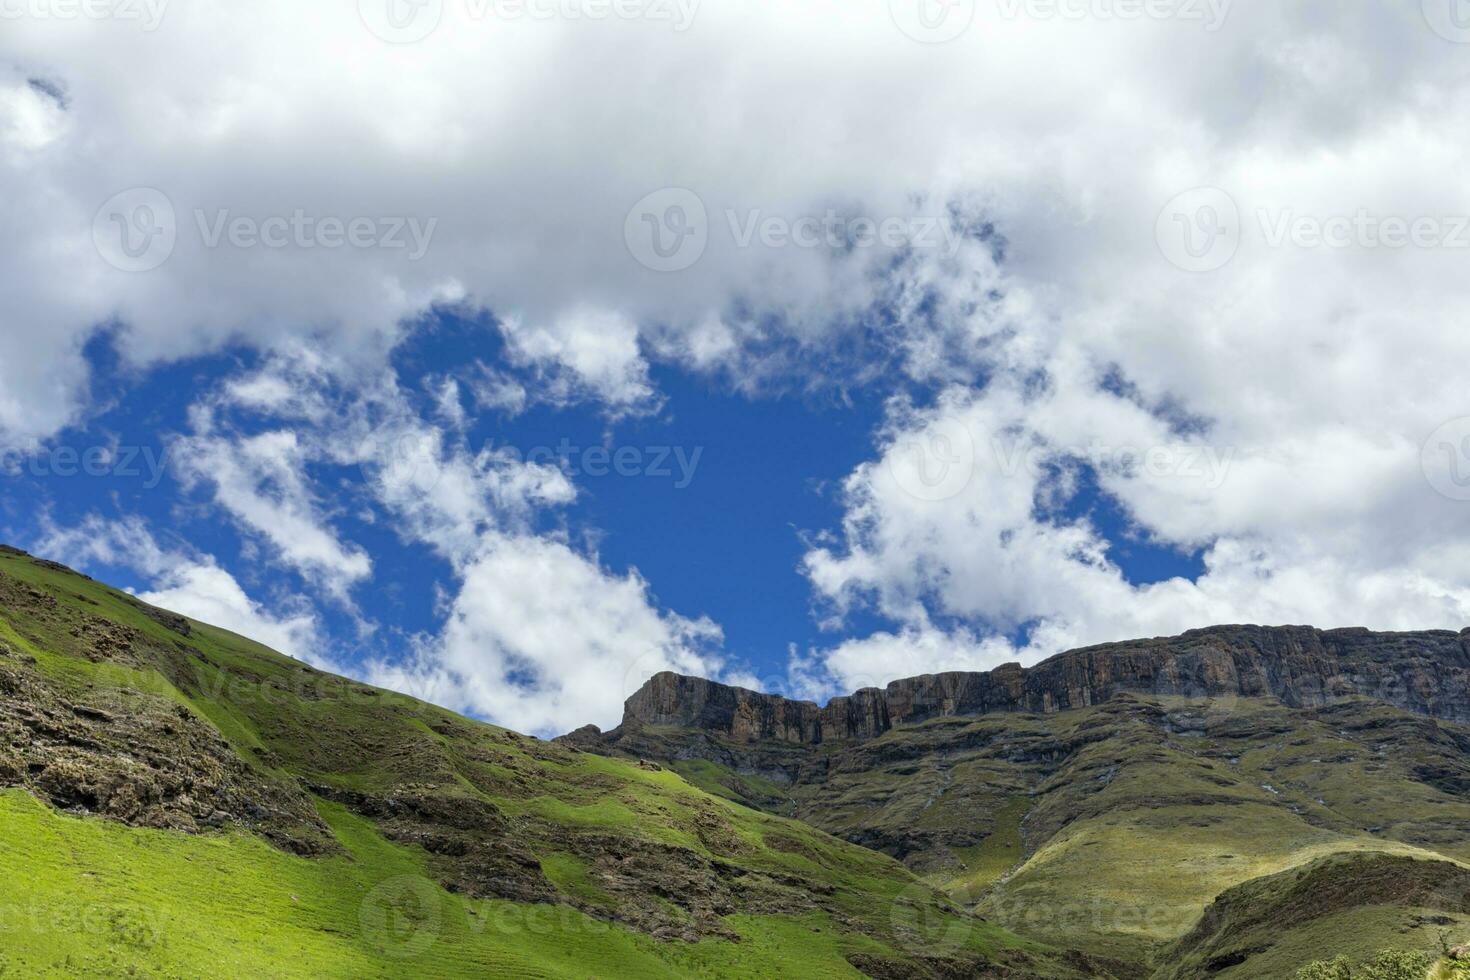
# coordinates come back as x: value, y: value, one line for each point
x: 715, y: 502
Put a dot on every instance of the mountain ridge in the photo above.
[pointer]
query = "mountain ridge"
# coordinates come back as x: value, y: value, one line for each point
x: 1104, y: 799
x: 1425, y: 671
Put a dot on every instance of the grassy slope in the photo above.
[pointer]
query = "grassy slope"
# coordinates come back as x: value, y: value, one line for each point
x: 1352, y: 904
x: 1112, y: 828
x: 1179, y: 819
x: 166, y: 903
x: 90, y: 897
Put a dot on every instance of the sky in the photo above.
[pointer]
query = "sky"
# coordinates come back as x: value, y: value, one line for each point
x: 507, y: 354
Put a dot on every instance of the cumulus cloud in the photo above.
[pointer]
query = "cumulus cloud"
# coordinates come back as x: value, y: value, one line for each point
x: 543, y: 639
x: 539, y: 635
x: 1060, y: 296
x: 260, y: 480
x: 188, y: 583
x: 532, y: 210
x: 964, y: 518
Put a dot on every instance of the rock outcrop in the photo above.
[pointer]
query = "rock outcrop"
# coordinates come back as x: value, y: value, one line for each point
x: 1425, y: 672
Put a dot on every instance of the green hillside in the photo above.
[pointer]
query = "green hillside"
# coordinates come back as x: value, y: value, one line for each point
x: 177, y: 801
x: 1113, y: 828
x: 183, y: 802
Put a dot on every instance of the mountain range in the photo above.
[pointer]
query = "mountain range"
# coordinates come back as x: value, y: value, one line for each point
x: 1235, y: 802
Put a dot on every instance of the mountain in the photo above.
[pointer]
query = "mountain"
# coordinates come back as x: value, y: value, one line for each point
x: 1426, y: 672
x: 1116, y: 798
x: 178, y: 801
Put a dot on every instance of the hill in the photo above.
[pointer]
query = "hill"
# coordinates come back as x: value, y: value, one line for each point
x: 1106, y: 798
x: 176, y: 800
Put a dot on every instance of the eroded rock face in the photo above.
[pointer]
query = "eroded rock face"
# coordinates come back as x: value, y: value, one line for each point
x: 145, y: 761
x: 1425, y: 672
x: 693, y: 702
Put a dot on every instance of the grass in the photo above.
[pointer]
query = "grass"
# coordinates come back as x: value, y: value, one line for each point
x: 1112, y: 828
x: 89, y: 897
x: 1352, y: 904
x: 991, y: 859
x: 173, y: 905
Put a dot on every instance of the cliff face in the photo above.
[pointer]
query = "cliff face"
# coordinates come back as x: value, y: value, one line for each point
x: 1424, y: 672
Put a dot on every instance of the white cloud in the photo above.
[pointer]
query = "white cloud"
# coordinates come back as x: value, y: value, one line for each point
x: 871, y: 661
x: 192, y: 585
x: 585, y: 350
x: 496, y: 391
x: 260, y: 481
x: 543, y: 639
x: 1321, y: 369
x: 208, y: 593
x: 316, y: 415
x: 1288, y: 536
x: 758, y: 110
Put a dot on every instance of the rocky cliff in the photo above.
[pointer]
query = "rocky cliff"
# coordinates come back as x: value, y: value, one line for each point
x: 1425, y: 672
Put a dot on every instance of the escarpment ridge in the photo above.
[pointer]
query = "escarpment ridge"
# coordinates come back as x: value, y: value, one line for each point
x: 1427, y: 672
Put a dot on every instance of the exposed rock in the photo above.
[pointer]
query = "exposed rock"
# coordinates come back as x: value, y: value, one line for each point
x: 1425, y: 672
x: 147, y: 762
x: 166, y: 619
x: 474, y: 846
x: 585, y: 737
